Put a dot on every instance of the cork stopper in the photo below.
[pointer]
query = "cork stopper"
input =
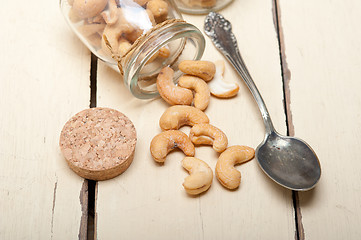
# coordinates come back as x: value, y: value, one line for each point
x: 98, y: 143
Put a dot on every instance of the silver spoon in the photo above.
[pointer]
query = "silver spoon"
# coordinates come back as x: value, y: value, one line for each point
x: 288, y: 161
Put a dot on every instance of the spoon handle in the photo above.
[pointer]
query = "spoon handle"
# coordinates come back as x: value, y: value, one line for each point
x: 219, y: 30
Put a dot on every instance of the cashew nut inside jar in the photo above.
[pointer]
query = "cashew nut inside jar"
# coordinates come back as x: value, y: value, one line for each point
x: 201, y: 6
x: 135, y: 37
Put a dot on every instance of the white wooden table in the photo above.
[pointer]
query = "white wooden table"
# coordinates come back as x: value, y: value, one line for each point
x: 305, y: 59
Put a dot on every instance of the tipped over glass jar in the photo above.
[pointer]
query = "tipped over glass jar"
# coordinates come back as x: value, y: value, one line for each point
x: 136, y: 37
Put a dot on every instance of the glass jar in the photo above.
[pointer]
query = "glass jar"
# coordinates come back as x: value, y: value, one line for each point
x: 201, y: 6
x: 135, y: 37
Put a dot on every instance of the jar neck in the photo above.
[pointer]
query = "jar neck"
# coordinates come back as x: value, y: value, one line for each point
x: 178, y: 36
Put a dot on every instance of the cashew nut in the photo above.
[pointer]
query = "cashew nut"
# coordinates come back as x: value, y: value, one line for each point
x: 200, y: 175
x: 88, y: 8
x: 90, y: 29
x: 153, y: 57
x: 164, y: 52
x: 219, y: 87
x: 177, y: 116
x: 73, y: 17
x: 202, y: 94
x: 166, y: 141
x: 98, y: 19
x: 171, y: 93
x: 200, y: 3
x: 227, y: 175
x: 205, y: 133
x: 202, y: 69
x: 123, y: 47
x: 151, y: 17
x: 159, y: 8
x: 141, y: 2
x: 133, y: 35
x: 113, y: 32
x: 111, y: 15
x: 95, y: 40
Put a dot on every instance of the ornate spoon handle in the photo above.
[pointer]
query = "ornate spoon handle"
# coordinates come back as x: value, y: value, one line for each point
x: 219, y: 30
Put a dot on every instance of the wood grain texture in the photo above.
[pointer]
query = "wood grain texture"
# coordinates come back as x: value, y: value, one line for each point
x: 148, y: 200
x: 44, y: 81
x: 322, y: 48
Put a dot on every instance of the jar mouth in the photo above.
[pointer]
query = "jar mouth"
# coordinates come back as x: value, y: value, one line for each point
x: 185, y: 42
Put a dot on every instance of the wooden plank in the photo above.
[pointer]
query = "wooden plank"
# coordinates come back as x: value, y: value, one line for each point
x: 44, y: 81
x: 322, y: 51
x: 148, y: 200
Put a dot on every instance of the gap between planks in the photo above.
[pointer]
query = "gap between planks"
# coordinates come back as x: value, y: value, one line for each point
x: 53, y: 208
x: 92, y: 185
x: 87, y: 197
x: 286, y: 77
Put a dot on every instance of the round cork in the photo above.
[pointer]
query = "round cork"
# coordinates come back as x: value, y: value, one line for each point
x: 98, y: 143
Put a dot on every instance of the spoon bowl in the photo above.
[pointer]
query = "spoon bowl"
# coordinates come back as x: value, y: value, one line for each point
x: 288, y: 161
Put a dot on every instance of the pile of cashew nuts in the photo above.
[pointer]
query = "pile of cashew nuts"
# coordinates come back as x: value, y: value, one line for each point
x: 189, y: 99
x: 108, y: 22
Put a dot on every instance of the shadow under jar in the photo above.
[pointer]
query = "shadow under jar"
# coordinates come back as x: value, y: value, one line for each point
x: 137, y: 38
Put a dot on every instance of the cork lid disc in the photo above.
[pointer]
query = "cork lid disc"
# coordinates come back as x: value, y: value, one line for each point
x: 98, y: 143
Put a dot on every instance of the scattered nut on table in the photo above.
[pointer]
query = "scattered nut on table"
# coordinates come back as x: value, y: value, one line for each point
x: 200, y: 175
x: 204, y: 133
x: 166, y: 141
x: 202, y: 69
x: 171, y: 93
x: 197, y: 73
x: 179, y: 115
x: 226, y: 173
x: 202, y: 94
x: 219, y: 87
